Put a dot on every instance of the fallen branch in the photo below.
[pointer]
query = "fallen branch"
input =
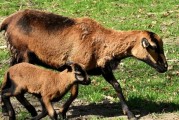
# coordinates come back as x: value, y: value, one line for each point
x: 2, y: 47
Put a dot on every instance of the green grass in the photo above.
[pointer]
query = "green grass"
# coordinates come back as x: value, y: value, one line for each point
x: 143, y: 87
x: 155, y: 15
x: 4, y: 56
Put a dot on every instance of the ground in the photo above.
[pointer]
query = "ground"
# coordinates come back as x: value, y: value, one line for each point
x: 82, y: 110
x: 106, y: 109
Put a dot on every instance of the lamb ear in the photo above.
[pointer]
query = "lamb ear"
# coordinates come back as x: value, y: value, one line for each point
x: 79, y: 73
x: 78, y: 68
x: 69, y: 63
x: 145, y: 43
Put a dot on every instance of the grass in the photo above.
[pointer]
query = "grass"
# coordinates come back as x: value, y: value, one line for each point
x: 142, y: 85
x: 154, y: 15
x: 3, y: 63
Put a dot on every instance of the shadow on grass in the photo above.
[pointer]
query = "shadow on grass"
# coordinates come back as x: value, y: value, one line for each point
x: 139, y: 106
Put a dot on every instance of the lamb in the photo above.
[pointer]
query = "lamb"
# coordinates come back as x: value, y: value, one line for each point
x: 50, y: 40
x: 46, y: 85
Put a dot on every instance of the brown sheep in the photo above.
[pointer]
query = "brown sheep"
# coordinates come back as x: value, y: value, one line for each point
x: 47, y: 85
x: 51, y: 40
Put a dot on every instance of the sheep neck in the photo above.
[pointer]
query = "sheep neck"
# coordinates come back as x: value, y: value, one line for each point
x: 116, y: 45
x: 120, y: 43
x: 66, y: 79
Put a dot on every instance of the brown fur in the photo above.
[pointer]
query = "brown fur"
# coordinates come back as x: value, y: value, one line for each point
x: 49, y: 39
x: 55, y: 39
x: 48, y: 84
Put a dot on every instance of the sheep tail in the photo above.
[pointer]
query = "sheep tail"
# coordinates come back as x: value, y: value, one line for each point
x: 8, y: 20
x: 5, y: 23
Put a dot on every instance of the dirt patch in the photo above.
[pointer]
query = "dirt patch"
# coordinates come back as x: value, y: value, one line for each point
x: 171, y: 40
x: 82, y: 110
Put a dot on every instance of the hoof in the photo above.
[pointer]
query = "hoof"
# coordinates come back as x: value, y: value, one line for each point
x: 61, y: 113
x: 59, y: 110
x: 62, y: 117
x: 4, y: 111
x: 133, y: 118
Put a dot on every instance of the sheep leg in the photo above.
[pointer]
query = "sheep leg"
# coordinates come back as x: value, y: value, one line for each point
x: 19, y: 57
x: 13, y: 61
x: 26, y: 104
x: 109, y: 77
x: 4, y: 108
x: 49, y: 108
x: 43, y: 113
x: 73, y: 96
x: 7, y: 103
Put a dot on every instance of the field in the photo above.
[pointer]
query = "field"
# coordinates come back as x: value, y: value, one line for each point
x: 150, y: 95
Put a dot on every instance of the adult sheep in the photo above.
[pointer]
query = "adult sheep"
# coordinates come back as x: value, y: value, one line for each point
x: 52, y: 40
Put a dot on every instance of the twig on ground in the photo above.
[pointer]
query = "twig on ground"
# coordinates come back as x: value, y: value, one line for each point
x: 2, y: 47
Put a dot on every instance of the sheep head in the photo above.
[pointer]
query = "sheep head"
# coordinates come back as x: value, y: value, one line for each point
x: 149, y: 48
x: 80, y: 74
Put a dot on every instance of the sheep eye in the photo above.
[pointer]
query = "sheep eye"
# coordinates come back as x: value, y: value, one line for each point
x: 79, y: 77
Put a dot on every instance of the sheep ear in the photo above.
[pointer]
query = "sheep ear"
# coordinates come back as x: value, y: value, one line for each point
x: 78, y: 68
x: 145, y: 43
x: 79, y: 73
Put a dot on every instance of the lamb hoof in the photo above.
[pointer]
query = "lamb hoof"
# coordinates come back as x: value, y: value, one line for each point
x: 59, y: 110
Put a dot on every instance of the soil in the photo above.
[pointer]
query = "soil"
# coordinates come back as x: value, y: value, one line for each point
x: 82, y: 110
x: 106, y: 110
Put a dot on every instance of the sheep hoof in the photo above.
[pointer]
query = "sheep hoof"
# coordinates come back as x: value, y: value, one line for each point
x: 4, y: 111
x: 133, y: 118
x: 62, y: 117
x: 59, y: 111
